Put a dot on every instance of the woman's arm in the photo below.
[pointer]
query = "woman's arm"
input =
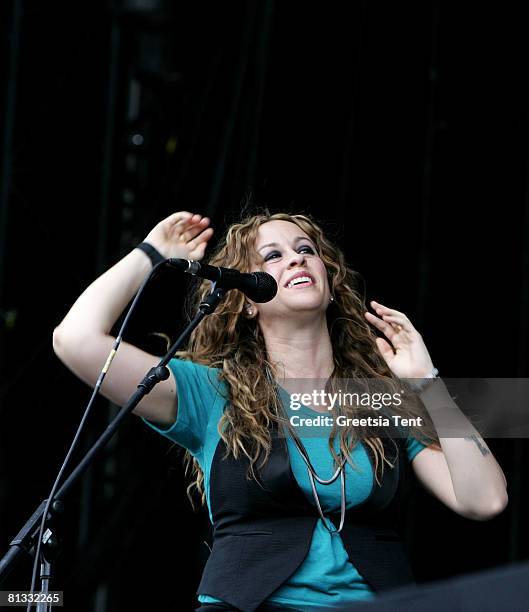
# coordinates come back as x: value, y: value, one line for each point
x: 83, y: 341
x: 464, y: 475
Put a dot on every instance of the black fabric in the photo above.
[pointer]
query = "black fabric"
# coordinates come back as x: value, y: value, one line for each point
x: 262, y: 531
x: 216, y: 607
x: 504, y: 588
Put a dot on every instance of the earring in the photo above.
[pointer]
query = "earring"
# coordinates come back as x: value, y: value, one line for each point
x: 331, y: 300
x: 249, y: 310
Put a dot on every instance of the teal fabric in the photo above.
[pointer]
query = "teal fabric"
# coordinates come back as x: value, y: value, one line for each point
x: 326, y: 578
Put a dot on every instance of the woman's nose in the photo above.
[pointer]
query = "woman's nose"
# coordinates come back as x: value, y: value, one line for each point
x: 296, y: 259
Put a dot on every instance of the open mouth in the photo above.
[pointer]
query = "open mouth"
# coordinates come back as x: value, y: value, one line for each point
x: 300, y: 282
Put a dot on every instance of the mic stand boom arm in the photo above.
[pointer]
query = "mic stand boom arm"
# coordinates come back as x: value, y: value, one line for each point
x: 25, y: 541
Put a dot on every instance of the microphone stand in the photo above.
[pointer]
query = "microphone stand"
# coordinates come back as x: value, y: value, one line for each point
x: 25, y: 541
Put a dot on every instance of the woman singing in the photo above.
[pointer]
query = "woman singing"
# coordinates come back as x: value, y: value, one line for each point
x: 300, y: 522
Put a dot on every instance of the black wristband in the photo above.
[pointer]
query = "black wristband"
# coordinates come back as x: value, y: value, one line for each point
x: 155, y: 256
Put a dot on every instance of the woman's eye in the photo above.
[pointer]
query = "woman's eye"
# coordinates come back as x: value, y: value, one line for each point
x: 302, y: 249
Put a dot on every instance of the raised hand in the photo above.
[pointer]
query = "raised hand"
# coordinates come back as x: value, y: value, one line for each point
x: 182, y: 234
x: 407, y: 355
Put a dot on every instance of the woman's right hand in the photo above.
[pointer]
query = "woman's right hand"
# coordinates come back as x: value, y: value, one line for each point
x: 83, y: 340
x: 182, y: 235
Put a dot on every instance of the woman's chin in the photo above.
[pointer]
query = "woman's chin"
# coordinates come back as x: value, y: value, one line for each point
x: 315, y: 307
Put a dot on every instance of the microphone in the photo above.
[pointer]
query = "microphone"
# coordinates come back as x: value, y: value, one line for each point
x: 258, y: 286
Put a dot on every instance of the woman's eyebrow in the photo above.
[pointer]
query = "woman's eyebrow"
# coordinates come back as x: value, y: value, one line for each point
x: 274, y: 244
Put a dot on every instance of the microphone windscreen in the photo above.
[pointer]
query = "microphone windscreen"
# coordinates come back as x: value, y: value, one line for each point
x: 264, y: 289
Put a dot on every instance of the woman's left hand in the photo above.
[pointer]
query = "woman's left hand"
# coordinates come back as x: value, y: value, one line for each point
x: 408, y: 357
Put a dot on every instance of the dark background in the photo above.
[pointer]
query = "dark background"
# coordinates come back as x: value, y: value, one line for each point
x: 114, y: 115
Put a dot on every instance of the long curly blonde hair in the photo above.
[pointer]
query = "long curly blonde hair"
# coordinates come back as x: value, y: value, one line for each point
x: 232, y: 342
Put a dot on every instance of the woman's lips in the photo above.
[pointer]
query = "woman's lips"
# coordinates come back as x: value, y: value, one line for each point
x: 309, y: 280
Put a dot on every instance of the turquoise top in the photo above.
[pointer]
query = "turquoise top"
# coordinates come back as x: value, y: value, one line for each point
x: 326, y: 578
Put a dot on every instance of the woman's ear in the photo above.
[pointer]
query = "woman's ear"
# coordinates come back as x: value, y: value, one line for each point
x: 250, y: 310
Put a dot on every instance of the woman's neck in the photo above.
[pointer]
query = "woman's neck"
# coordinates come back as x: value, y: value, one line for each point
x: 303, y: 352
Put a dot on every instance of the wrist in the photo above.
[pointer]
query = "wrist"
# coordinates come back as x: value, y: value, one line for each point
x: 418, y: 385
x: 151, y: 252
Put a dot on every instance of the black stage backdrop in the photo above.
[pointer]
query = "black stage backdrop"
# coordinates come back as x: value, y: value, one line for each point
x: 116, y: 114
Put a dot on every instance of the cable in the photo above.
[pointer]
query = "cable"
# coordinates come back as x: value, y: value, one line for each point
x: 95, y: 392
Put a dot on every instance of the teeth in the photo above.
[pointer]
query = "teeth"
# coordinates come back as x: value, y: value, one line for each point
x: 299, y: 279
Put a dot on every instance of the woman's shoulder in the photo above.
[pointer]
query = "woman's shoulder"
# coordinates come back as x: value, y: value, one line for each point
x: 187, y: 361
x: 195, y: 370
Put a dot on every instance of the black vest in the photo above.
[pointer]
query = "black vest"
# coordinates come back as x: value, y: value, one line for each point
x: 262, y: 531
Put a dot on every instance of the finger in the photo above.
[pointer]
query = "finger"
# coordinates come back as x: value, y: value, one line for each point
x: 397, y: 321
x: 184, y: 221
x: 180, y: 216
x: 383, y: 326
x: 198, y: 252
x: 201, y: 239
x: 400, y: 323
x: 186, y: 229
x: 385, y: 349
x: 194, y: 229
x: 381, y: 309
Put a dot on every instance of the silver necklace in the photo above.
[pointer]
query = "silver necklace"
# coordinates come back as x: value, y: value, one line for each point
x: 313, y: 475
x: 312, y: 472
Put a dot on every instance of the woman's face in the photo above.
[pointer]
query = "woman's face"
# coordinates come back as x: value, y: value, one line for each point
x: 286, y: 252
